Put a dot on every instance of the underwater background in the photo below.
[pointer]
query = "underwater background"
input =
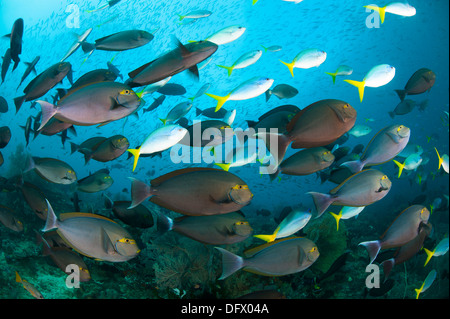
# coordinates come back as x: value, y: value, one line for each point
x: 171, y: 265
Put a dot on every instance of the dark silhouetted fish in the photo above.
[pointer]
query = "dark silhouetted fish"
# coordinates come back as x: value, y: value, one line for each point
x: 421, y: 81
x: 31, y: 67
x: 16, y: 41
x: 6, y: 63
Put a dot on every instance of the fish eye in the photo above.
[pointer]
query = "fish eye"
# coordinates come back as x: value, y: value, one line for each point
x: 384, y: 177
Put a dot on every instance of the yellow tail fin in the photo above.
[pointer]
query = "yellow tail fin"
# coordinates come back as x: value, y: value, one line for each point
x: 381, y: 11
x: 220, y: 100
x: 223, y: 166
x: 418, y: 291
x: 429, y: 255
x: 18, y: 279
x: 338, y: 218
x: 268, y: 238
x: 228, y: 68
x: 441, y: 160
x: 254, y: 1
x: 333, y: 76
x: 136, y: 153
x: 163, y: 121
x: 290, y: 66
x: 359, y: 85
x: 400, y: 166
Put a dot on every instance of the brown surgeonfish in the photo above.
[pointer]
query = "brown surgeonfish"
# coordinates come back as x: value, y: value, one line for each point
x: 8, y: 219
x: 43, y: 82
x: 408, y: 250
x: 278, y: 258
x: 5, y: 136
x: 97, y: 103
x: 119, y: 41
x: 360, y: 189
x: 52, y: 170
x: 213, y: 230
x: 421, y: 81
x: 139, y: 216
x: 35, y: 199
x: 305, y: 162
x: 402, y: 230
x: 95, y: 182
x: 194, y: 191
x: 184, y: 57
x: 93, y: 235
x: 319, y: 124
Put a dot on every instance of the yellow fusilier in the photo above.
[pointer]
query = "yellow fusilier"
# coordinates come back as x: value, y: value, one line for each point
x: 426, y: 283
x: 440, y: 250
x: 398, y: 8
x: 443, y: 161
x: 306, y: 59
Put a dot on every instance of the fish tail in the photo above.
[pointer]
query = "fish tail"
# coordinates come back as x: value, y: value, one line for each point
x: 268, y: 238
x: 18, y: 279
x: 136, y: 153
x: 418, y: 291
x: 373, y: 248
x: 87, y: 47
x: 220, y: 100
x: 108, y: 202
x: 360, y: 85
x: 18, y: 101
x: 338, y: 218
x: 441, y: 160
x: 164, y: 223
x: 290, y: 66
x: 387, y: 267
x: 48, y: 111
x: 321, y: 201
x: 429, y: 255
x: 268, y: 94
x: 400, y: 167
x: 198, y: 111
x: 30, y: 164
x: 254, y: 1
x: 223, y: 166
x: 333, y: 76
x: 230, y: 263
x: 274, y: 175
x: 354, y: 166
x: 401, y: 94
x: 265, y: 49
x: 139, y: 192
x: 181, y: 17
x: 228, y: 68
x: 278, y: 147
x: 88, y: 154
x: 392, y: 114
x: 73, y: 147
x: 52, y: 221
x: 164, y: 121
x: 381, y: 11
x: 46, y: 250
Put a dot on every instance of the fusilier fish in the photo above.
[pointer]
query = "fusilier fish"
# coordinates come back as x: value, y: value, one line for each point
x: 177, y: 112
x: 159, y: 140
x: 397, y: 8
x: 306, y: 59
x: 411, y: 163
x: 246, y: 90
x: 378, y: 76
x: 340, y: 71
x: 361, y: 189
x: 243, y: 61
x: 80, y: 39
x: 226, y: 35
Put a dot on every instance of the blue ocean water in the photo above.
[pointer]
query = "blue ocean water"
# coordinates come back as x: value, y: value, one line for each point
x: 345, y: 30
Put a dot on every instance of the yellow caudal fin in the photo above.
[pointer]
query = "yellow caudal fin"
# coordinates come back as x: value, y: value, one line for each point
x: 400, y: 166
x: 228, y: 68
x: 338, y: 218
x: 18, y: 279
x: 441, y: 160
x: 136, y: 153
x: 254, y: 1
x: 268, y: 238
x: 220, y: 100
x: 333, y: 76
x: 429, y: 255
x: 223, y: 166
x: 163, y: 121
x: 418, y: 291
x: 360, y: 85
x: 381, y: 11
x: 290, y: 66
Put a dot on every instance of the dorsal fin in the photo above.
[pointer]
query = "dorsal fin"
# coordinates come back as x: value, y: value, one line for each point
x: 65, y: 216
x: 167, y: 176
x: 252, y: 251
